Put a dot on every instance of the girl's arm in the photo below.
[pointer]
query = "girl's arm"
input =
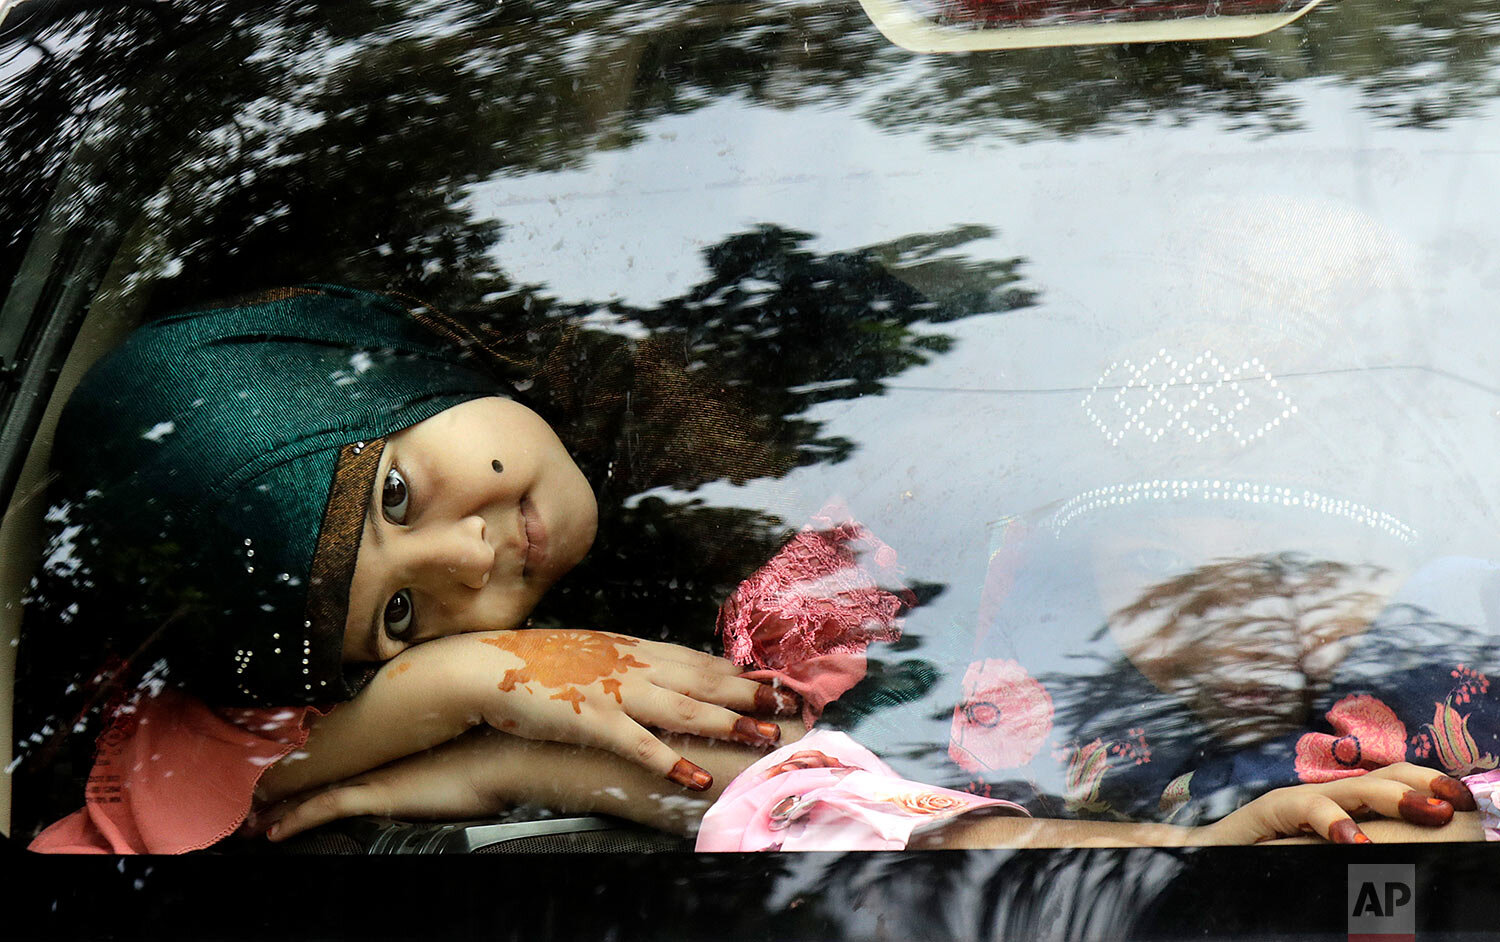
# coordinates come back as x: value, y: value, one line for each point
x: 485, y: 773
x: 583, y: 687
x: 978, y: 832
x: 1408, y: 802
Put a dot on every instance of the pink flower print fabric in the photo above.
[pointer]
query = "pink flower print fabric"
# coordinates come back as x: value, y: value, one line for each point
x: 1087, y: 766
x: 806, y: 617
x: 827, y: 792
x: 1453, y: 743
x: 1003, y: 720
x: 1368, y: 735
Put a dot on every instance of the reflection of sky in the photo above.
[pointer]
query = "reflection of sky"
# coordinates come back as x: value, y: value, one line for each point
x: 1342, y: 247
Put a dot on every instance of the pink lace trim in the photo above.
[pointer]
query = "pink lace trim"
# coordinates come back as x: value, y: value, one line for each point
x: 816, y: 597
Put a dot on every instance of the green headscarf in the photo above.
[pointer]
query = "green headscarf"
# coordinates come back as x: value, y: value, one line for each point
x: 215, y: 472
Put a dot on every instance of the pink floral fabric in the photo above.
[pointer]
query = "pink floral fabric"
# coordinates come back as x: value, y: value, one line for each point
x: 1003, y: 720
x: 827, y: 792
x: 1367, y: 735
x: 1486, y: 789
x: 1453, y: 743
x: 806, y: 617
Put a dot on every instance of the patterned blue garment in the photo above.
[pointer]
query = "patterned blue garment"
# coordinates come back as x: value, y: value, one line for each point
x: 1414, y: 687
x: 1277, y: 669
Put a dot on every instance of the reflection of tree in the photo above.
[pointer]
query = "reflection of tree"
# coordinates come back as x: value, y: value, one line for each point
x: 1411, y: 64
x: 1249, y: 644
x: 340, y: 145
x: 791, y: 328
x: 313, y: 132
x: 1407, y: 640
x: 308, y: 131
x: 1062, y: 894
x: 1244, y: 647
x: 777, y: 328
x: 888, y: 685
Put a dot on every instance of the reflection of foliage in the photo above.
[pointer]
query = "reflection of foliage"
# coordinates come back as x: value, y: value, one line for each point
x: 966, y: 895
x: 1406, y: 640
x: 1418, y: 65
x: 1246, y: 645
x: 1042, y: 93
x: 308, y: 131
x: 647, y: 580
x: 1263, y: 618
x: 789, y: 328
x: 308, y: 134
x: 778, y: 328
x: 886, y: 685
x: 340, y: 144
x: 1247, y: 654
x: 1074, y: 894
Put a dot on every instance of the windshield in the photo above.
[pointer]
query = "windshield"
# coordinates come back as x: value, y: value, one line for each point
x: 1158, y: 379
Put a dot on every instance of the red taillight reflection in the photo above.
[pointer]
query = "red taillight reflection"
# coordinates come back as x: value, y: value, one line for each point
x: 1015, y: 13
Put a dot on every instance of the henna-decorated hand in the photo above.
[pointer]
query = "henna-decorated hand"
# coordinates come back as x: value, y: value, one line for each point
x: 599, y: 689
x: 1419, y: 795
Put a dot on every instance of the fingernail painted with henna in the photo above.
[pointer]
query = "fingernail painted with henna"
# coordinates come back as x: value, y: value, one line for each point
x: 688, y: 775
x: 1347, y: 832
x: 1420, y: 809
x: 1454, y: 792
x: 752, y: 733
x: 770, y: 700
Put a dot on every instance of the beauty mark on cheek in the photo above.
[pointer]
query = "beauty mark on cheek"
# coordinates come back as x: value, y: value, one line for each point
x: 565, y: 661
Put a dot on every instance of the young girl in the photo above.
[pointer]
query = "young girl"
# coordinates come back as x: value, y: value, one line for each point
x: 319, y: 482
x: 257, y: 503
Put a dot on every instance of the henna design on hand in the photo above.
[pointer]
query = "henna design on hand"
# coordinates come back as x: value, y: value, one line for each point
x: 571, y: 695
x: 567, y: 660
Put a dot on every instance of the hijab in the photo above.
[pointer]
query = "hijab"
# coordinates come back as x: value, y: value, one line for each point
x: 214, y: 474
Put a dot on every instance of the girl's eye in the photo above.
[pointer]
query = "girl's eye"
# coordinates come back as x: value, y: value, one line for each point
x: 398, y: 616
x: 394, y: 497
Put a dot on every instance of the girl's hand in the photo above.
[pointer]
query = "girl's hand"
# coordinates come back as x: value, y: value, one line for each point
x: 441, y: 784
x: 484, y: 772
x: 595, y: 688
x: 1419, y: 795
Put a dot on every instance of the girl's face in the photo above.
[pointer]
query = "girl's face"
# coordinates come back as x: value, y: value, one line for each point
x: 475, y: 513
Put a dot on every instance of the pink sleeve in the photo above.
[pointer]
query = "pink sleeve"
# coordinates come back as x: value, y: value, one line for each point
x: 173, y: 776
